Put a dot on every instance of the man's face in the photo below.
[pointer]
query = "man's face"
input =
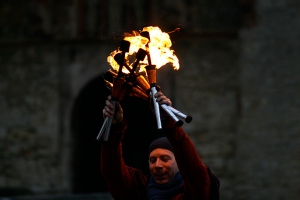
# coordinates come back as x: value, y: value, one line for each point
x: 162, y: 165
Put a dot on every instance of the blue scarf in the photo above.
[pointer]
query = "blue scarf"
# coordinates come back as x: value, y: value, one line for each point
x: 164, y: 191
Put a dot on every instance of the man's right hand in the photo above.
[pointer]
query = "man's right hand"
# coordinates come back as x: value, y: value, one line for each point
x: 108, y: 111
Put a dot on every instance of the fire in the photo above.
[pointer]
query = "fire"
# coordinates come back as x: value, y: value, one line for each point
x: 159, y: 48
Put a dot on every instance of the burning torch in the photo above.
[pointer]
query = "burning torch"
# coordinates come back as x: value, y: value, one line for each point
x: 136, y: 84
x: 151, y: 72
x: 117, y: 91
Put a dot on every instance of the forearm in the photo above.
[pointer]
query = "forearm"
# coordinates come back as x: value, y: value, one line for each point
x: 191, y: 167
x: 113, y: 168
x: 124, y: 182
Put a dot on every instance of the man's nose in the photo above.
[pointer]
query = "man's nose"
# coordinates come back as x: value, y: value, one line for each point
x: 158, y: 163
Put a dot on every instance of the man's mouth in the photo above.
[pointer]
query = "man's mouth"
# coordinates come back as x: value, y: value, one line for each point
x: 160, y: 176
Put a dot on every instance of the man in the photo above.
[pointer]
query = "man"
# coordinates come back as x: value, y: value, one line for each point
x: 185, y: 177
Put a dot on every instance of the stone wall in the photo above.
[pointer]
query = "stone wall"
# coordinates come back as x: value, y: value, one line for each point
x: 267, y: 151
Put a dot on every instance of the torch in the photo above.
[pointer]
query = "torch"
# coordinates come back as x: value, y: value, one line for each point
x: 118, y: 59
x: 151, y: 71
x: 143, y: 83
x: 186, y: 118
x: 140, y: 55
x: 136, y: 83
x: 134, y: 90
x: 117, y: 90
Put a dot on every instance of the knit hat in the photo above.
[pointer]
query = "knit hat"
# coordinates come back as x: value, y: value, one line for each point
x: 162, y: 142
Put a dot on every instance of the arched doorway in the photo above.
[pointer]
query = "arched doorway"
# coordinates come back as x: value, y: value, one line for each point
x: 86, y: 123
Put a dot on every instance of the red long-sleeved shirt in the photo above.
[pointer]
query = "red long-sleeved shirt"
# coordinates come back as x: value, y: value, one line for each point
x: 126, y: 182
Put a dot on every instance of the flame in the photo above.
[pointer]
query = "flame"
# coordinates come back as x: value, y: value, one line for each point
x: 159, y: 48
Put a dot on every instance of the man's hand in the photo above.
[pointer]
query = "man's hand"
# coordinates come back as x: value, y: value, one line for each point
x: 108, y: 111
x: 161, y: 99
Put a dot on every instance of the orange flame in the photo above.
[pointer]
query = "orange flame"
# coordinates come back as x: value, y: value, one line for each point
x: 159, y: 48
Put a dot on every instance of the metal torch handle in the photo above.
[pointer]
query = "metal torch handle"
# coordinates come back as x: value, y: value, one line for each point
x: 102, y: 129
x: 156, y: 108
x: 177, y: 112
x: 109, y: 122
x: 171, y: 114
x: 188, y: 119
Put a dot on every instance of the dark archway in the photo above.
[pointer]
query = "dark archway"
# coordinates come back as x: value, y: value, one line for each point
x: 86, y: 123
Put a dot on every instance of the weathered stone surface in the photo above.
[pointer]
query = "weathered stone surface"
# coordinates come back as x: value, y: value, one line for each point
x: 267, y: 134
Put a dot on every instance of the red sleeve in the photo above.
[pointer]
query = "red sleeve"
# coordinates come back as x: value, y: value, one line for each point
x: 123, y: 182
x: 193, y: 171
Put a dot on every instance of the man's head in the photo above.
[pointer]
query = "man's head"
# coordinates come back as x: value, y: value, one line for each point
x: 162, y: 163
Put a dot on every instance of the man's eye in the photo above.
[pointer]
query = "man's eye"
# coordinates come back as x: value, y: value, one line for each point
x: 165, y: 158
x: 152, y: 160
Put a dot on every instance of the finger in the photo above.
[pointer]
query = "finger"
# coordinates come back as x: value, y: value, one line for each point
x: 109, y: 104
x: 108, y: 111
x: 105, y: 114
x: 158, y: 94
x: 160, y: 97
x: 119, y: 107
x: 165, y: 101
x: 158, y: 88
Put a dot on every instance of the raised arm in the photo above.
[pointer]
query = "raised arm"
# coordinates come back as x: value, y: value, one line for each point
x: 195, y: 174
x: 123, y: 181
